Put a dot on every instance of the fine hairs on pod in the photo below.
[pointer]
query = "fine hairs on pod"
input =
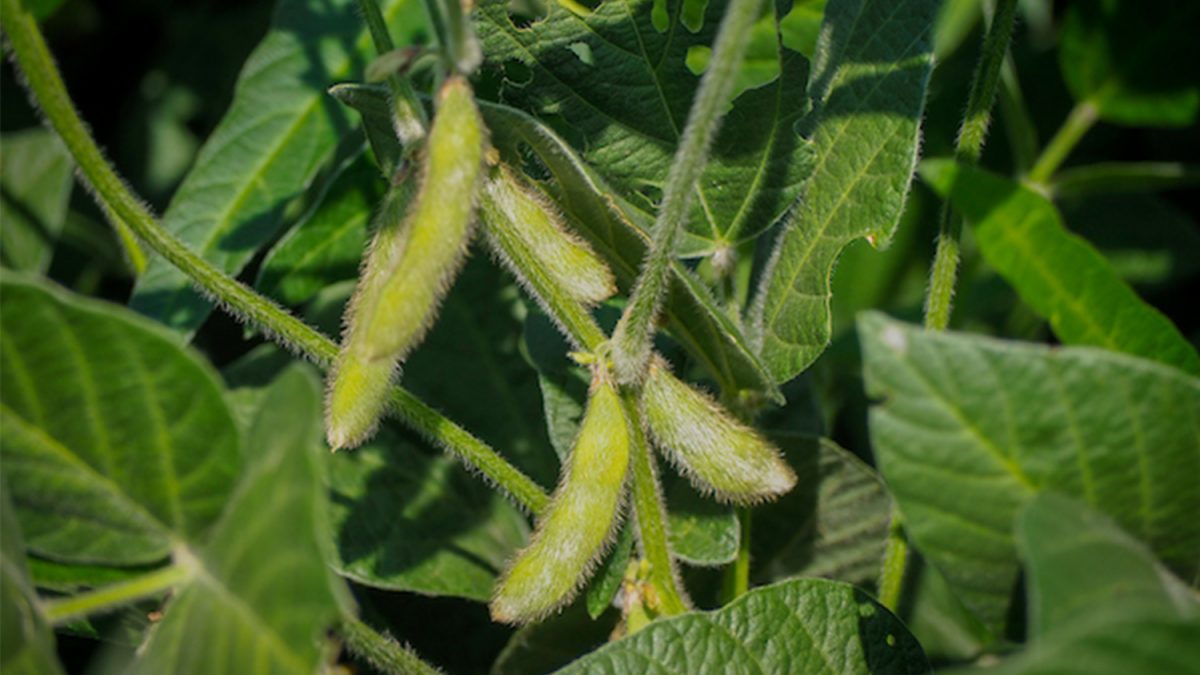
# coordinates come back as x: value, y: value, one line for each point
x: 411, y: 265
x: 527, y: 234
x: 719, y: 454
x: 581, y: 520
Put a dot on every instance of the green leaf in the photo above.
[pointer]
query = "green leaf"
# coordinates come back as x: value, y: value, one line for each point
x: 281, y: 129
x: 548, y: 645
x: 35, y: 187
x: 629, y: 100
x: 867, y: 86
x: 701, y: 531
x: 117, y: 442
x: 24, y: 632
x: 1128, y: 61
x: 326, y: 246
x: 261, y: 597
x: 694, y: 319
x: 969, y: 429
x: 1080, y: 564
x: 1057, y: 274
x: 802, y: 626
x: 833, y: 524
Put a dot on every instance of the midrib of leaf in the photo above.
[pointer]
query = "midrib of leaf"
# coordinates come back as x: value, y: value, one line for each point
x: 248, y: 188
x: 735, y: 225
x: 662, y: 98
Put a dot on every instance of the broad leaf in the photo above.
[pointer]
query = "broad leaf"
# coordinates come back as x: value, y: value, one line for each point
x: 35, y: 186
x: 327, y: 244
x: 1129, y: 60
x: 701, y: 531
x: 1079, y: 564
x: 116, y: 441
x: 1056, y: 273
x: 28, y: 643
x: 969, y: 429
x: 867, y: 86
x: 624, y: 87
x: 261, y: 597
x: 833, y: 524
x: 802, y: 626
x: 281, y: 129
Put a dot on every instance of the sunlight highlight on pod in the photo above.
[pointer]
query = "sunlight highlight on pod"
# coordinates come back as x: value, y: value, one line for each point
x: 718, y: 454
x: 411, y: 265
x: 528, y: 235
x: 577, y: 527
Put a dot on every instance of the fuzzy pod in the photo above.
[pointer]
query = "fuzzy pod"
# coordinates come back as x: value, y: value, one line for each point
x: 581, y: 520
x: 410, y: 266
x: 527, y: 234
x: 719, y: 454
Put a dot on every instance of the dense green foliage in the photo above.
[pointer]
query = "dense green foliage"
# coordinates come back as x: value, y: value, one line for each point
x: 673, y: 413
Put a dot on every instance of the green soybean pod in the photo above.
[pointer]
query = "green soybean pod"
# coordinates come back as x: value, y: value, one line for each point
x: 580, y: 521
x: 409, y: 268
x: 527, y: 234
x: 720, y: 455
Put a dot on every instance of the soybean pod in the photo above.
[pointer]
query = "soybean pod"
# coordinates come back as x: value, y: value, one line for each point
x: 582, y: 517
x: 409, y: 268
x: 719, y: 454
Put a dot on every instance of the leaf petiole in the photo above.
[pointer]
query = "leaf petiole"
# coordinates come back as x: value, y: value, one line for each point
x: 64, y: 610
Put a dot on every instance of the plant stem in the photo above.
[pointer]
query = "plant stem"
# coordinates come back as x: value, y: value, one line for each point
x: 1022, y: 135
x: 971, y: 136
x: 895, y: 565
x: 408, y: 117
x: 382, y: 651
x: 737, y: 574
x: 51, y: 96
x: 30, y: 49
x: 1082, y: 117
x: 651, y: 517
x: 59, y: 611
x: 1111, y: 177
x: 634, y: 335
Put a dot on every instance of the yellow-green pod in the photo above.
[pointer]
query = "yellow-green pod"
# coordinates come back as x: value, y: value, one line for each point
x: 577, y: 526
x: 719, y: 454
x: 410, y: 266
x: 528, y: 235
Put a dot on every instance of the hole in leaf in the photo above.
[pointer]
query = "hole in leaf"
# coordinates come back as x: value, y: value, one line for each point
x: 583, y: 50
x: 525, y: 13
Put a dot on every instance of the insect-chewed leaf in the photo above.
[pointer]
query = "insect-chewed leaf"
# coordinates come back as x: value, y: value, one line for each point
x: 580, y: 521
x: 528, y: 235
x: 719, y: 454
x: 411, y: 265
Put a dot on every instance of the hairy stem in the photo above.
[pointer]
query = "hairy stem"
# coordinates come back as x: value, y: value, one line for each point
x: 380, y: 650
x: 64, y: 610
x: 737, y: 575
x: 29, y: 48
x: 971, y: 136
x: 1082, y: 117
x: 635, y: 333
x: 51, y: 96
x: 895, y: 565
x: 409, y: 117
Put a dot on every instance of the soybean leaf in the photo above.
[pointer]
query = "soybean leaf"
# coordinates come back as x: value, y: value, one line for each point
x: 833, y: 524
x: 1056, y: 273
x: 625, y: 89
x: 799, y: 626
x: 1127, y: 61
x: 969, y: 429
x: 1080, y: 565
x: 701, y: 531
x: 407, y: 520
x: 551, y: 644
x: 327, y: 244
x: 281, y: 129
x: 117, y: 442
x: 694, y: 319
x: 24, y: 632
x: 35, y: 186
x: 609, y: 576
x: 867, y: 86
x: 261, y: 596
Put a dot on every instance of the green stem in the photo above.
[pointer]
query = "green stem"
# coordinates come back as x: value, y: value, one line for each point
x: 51, y: 96
x: 59, y: 611
x: 737, y: 574
x: 1022, y: 134
x: 30, y: 49
x: 971, y: 136
x: 381, y: 651
x: 895, y: 565
x: 635, y: 332
x: 651, y: 517
x: 1112, y: 177
x: 1081, y: 119
x: 408, y: 116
